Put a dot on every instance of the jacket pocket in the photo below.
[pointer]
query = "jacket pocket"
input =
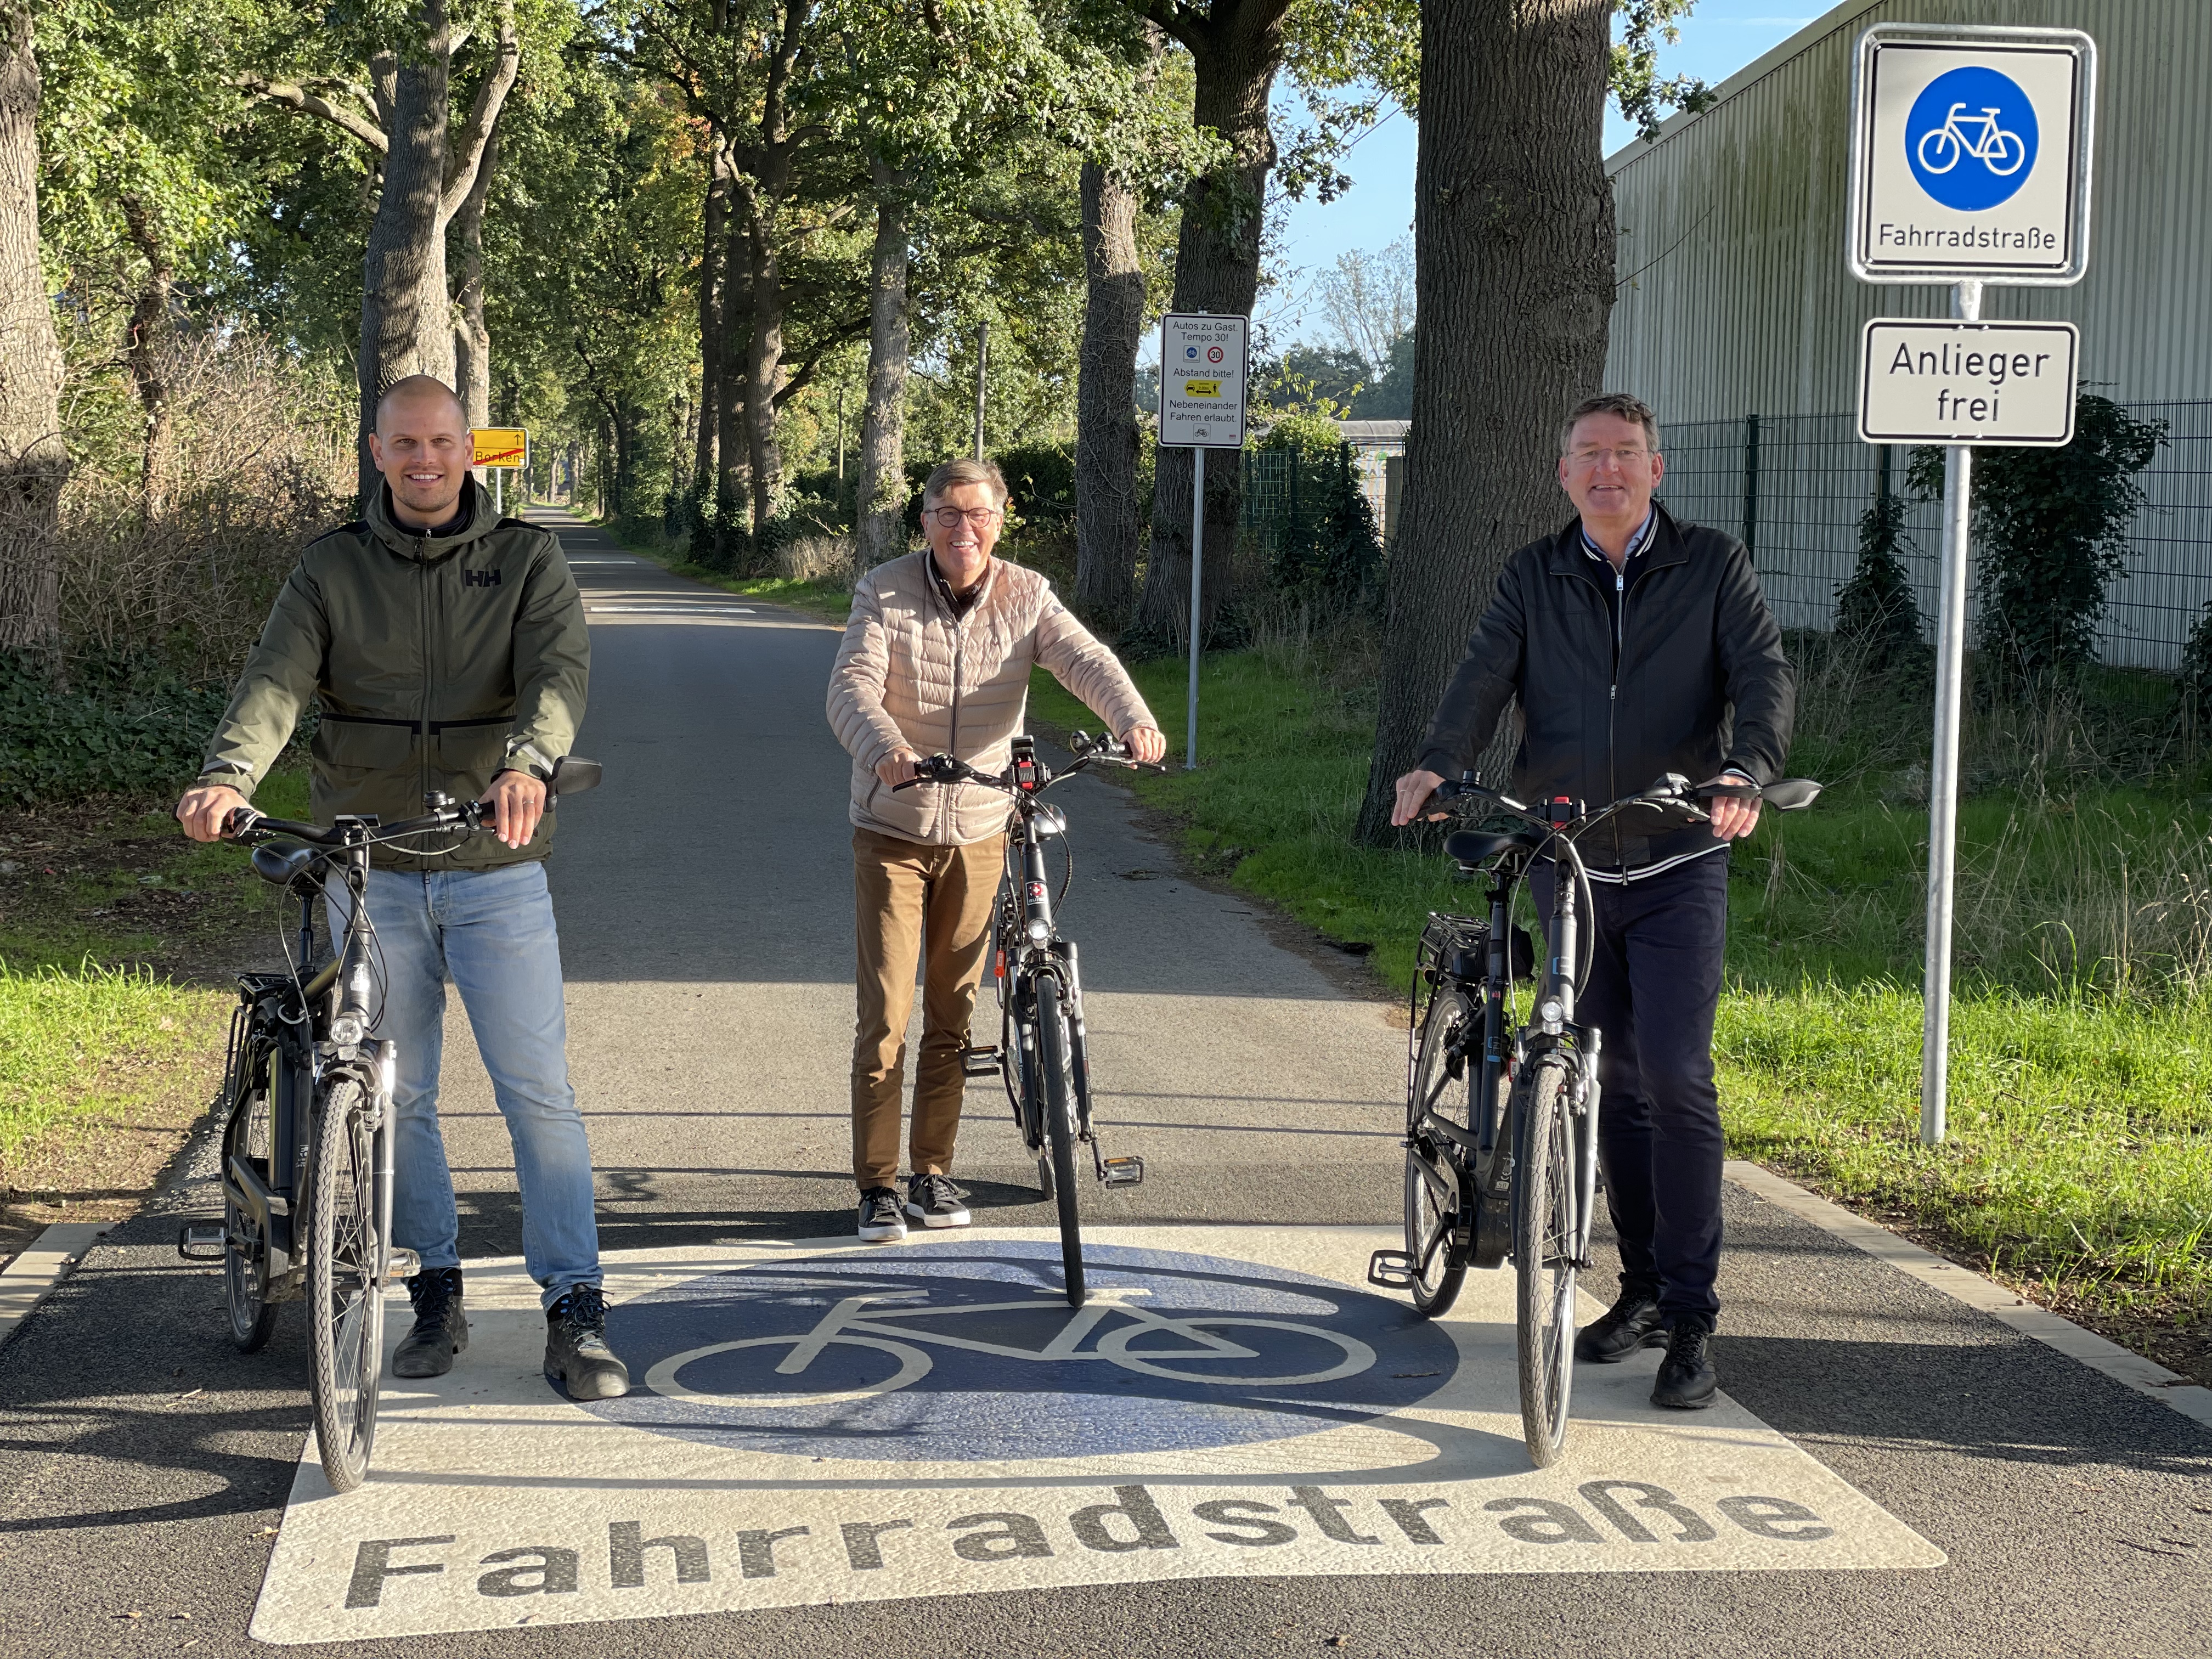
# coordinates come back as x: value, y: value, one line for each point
x: 473, y: 750
x: 363, y: 745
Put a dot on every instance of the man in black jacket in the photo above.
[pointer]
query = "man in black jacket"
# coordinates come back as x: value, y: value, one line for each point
x: 1638, y: 646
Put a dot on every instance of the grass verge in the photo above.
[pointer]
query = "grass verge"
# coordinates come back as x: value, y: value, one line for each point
x: 2079, y: 1166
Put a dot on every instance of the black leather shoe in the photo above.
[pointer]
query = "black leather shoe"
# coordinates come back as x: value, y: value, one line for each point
x: 1688, y: 1381
x: 576, y: 1351
x: 442, y: 1329
x: 1630, y: 1326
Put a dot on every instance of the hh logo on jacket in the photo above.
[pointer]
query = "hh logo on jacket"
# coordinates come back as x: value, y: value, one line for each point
x: 480, y: 578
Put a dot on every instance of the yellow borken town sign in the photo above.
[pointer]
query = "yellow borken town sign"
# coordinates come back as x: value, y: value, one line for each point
x: 501, y: 446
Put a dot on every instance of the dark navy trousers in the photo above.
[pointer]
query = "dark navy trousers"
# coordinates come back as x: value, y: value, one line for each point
x: 1654, y: 983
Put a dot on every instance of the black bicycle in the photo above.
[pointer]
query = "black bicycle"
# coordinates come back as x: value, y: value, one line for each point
x: 1501, y: 1124
x: 308, y: 1124
x: 1041, y: 1055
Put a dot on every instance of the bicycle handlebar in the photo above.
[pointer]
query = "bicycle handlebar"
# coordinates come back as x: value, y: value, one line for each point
x: 1088, y: 751
x: 1671, y: 793
x: 246, y: 825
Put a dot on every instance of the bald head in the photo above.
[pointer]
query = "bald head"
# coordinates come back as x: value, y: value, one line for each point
x: 422, y: 448
x: 421, y: 396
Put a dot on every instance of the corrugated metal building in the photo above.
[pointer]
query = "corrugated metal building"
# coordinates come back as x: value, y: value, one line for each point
x: 1737, y: 319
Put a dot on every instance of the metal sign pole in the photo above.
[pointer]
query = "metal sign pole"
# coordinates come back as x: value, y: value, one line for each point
x: 1197, y: 568
x: 1943, y: 772
x: 499, y: 490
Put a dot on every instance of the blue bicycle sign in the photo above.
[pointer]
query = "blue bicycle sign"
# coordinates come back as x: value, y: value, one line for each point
x: 961, y: 1355
x: 1971, y: 138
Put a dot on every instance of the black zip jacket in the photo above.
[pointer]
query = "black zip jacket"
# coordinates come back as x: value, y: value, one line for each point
x: 1692, y: 681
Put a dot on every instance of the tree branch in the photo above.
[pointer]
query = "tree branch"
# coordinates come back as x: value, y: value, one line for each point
x: 294, y: 96
x: 467, y: 155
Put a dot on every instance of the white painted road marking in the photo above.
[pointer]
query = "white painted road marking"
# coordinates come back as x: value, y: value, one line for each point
x: 672, y: 610
x: 495, y: 1502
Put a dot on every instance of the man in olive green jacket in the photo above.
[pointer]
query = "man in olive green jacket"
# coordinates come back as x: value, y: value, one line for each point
x: 447, y: 648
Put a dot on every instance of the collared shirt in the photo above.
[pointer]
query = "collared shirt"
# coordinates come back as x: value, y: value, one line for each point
x: 958, y: 604
x: 1616, y: 603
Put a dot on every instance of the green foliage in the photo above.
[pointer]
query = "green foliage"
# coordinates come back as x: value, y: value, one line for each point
x: 1876, y: 609
x: 95, y: 1039
x: 116, y: 728
x: 2050, y: 530
x: 1041, y: 480
x: 1638, y: 93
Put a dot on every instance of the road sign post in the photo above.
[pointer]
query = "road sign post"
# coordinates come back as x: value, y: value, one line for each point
x: 500, y: 449
x: 1201, y: 407
x: 1970, y: 152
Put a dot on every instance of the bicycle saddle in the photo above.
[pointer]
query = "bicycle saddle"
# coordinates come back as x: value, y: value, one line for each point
x: 1480, y: 846
x: 287, y: 864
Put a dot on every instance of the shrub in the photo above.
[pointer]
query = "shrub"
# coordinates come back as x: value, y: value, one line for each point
x: 1876, y: 609
x: 116, y: 727
x: 1041, y: 479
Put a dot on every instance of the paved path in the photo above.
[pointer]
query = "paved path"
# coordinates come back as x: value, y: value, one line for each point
x: 145, y: 1470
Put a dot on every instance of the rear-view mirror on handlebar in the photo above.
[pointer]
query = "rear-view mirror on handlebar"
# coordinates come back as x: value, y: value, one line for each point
x: 573, y: 774
x: 1792, y: 794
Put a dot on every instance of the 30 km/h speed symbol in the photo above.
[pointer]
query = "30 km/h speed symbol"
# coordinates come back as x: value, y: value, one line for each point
x: 1969, y: 154
x: 1922, y: 381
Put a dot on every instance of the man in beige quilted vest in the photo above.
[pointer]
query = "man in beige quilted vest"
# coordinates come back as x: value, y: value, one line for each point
x: 936, y: 660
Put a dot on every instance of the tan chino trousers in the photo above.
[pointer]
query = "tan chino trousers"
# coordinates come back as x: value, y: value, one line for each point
x: 932, y: 904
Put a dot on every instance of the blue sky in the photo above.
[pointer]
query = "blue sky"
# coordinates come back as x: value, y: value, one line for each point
x: 1719, y: 37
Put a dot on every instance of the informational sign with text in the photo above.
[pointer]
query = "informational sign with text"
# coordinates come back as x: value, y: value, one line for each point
x: 1970, y: 154
x: 1924, y: 381
x: 1202, y: 380
x: 501, y: 446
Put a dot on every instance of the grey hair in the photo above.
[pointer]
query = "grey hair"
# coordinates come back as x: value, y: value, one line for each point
x: 964, y: 469
x: 1624, y: 404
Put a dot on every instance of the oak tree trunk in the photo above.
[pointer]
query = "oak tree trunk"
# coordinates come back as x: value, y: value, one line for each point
x: 764, y: 377
x: 406, y: 326
x: 34, y: 462
x: 1235, y: 57
x: 881, y: 494
x: 712, y: 254
x: 1106, y: 508
x: 472, y: 337
x: 733, y: 487
x: 142, y: 352
x: 1513, y: 238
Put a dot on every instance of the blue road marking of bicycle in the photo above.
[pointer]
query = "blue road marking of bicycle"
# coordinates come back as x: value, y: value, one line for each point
x: 1971, y: 138
x: 968, y: 1353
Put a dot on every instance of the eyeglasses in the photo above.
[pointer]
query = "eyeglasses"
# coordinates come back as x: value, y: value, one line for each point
x: 1625, y: 457
x: 950, y: 517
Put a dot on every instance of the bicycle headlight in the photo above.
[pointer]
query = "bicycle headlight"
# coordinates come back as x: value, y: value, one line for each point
x: 1039, y: 933
x: 347, y: 1030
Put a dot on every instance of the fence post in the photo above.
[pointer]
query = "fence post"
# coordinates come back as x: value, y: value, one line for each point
x: 1882, y: 475
x: 1751, y: 483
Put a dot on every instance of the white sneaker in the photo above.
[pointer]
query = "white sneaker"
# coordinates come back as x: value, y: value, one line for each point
x: 934, y: 1201
x: 880, y: 1220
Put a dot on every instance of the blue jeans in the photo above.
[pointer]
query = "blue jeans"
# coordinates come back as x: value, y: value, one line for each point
x: 492, y: 931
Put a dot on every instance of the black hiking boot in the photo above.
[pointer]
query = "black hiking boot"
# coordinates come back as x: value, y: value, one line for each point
x: 442, y: 1329
x: 576, y: 1351
x: 1630, y: 1326
x: 1688, y: 1381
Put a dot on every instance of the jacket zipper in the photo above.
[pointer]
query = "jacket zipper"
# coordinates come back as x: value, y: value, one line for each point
x: 1613, y: 697
x: 429, y: 644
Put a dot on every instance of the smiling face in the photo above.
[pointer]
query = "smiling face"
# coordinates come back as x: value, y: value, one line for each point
x: 963, y: 548
x: 1610, y: 470
x: 422, y: 448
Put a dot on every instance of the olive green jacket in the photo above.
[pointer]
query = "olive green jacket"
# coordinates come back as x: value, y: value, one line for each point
x: 438, y: 661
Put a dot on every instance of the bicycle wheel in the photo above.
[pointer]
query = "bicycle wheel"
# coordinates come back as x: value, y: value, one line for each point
x: 1543, y: 1257
x: 1059, y: 1128
x: 345, y: 1307
x: 246, y: 1245
x: 1940, y: 150
x: 1429, y: 1213
x: 2004, y: 153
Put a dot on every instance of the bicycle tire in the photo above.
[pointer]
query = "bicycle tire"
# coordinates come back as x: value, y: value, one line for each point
x: 244, y: 1276
x: 1945, y: 142
x: 1544, y: 1269
x: 345, y: 1306
x: 1450, y: 1010
x: 1059, y: 1128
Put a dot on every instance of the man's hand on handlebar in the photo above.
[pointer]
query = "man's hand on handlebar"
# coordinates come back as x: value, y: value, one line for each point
x: 1734, y: 817
x: 897, y: 768
x: 206, y: 808
x: 1414, y: 792
x: 518, y: 801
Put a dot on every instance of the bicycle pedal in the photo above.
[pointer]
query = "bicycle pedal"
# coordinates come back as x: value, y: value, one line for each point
x: 404, y: 1264
x: 1122, y: 1172
x: 1393, y: 1270
x: 979, y: 1062
x: 200, y: 1241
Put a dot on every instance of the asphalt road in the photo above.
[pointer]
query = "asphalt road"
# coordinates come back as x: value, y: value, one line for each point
x: 704, y: 902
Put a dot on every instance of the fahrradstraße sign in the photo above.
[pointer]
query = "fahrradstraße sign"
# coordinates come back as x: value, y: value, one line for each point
x: 1969, y: 154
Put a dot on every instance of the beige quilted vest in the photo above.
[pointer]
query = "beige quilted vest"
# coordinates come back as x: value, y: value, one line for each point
x: 911, y: 675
